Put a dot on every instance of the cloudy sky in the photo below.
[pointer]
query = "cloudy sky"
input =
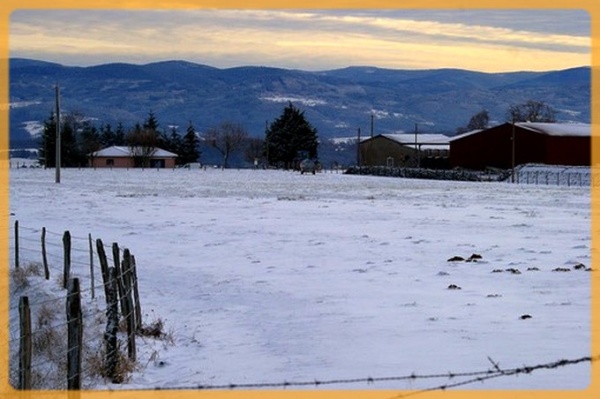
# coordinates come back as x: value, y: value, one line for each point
x: 482, y: 40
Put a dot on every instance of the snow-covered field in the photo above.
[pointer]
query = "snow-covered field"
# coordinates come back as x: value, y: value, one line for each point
x: 273, y: 276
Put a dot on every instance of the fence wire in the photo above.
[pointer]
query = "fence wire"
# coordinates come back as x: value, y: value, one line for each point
x: 81, y: 262
x: 27, y: 278
x: 471, y: 378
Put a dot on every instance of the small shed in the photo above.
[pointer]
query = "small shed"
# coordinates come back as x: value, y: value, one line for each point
x: 405, y: 150
x: 127, y: 157
x: 507, y: 145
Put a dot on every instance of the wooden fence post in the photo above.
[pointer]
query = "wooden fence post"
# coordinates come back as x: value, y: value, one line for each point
x: 112, y: 326
x: 67, y: 258
x: 16, y: 244
x: 92, y: 266
x: 129, y: 312
x: 44, y: 258
x: 25, y: 344
x: 136, y: 294
x: 74, y: 335
x: 103, y: 267
x: 120, y: 285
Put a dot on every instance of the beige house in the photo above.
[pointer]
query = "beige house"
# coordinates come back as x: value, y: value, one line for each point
x: 405, y: 150
x: 125, y: 157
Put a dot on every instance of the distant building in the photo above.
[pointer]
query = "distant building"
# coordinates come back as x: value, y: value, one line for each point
x: 124, y: 157
x: 543, y: 143
x: 405, y: 150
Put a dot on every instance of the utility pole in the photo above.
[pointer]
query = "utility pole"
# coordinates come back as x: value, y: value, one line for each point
x: 358, y: 150
x: 372, y: 117
x: 267, y: 141
x: 417, y: 147
x: 58, y: 160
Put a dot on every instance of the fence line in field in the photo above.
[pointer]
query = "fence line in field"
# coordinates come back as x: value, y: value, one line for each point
x: 120, y: 313
x: 467, y: 378
x: 578, y: 176
x: 571, y: 176
x: 38, y: 333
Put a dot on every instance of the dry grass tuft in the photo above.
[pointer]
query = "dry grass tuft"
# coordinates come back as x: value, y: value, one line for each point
x: 96, y: 367
x: 20, y: 276
x: 154, y: 329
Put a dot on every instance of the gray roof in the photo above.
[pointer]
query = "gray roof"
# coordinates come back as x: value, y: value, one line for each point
x: 550, y: 129
x: 558, y: 129
x: 125, y: 152
x: 425, y: 141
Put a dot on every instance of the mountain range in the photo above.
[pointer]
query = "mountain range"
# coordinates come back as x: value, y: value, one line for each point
x: 336, y: 102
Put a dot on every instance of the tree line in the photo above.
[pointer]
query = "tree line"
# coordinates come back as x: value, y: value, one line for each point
x: 81, y: 139
x: 528, y: 111
x: 288, y: 138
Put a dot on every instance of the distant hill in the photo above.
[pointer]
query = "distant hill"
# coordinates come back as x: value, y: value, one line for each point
x: 336, y: 102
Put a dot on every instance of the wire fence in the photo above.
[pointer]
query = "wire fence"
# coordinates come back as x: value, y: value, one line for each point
x: 458, y: 379
x: 570, y: 176
x: 44, y: 267
x: 578, y: 176
x: 111, y: 319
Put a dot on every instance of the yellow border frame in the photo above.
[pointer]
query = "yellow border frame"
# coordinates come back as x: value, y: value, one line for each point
x: 8, y: 6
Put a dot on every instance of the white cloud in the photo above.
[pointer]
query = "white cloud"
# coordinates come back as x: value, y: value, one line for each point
x: 297, y: 39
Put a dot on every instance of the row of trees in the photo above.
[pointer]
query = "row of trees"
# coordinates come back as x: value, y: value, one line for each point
x: 80, y: 139
x: 288, y: 138
x: 529, y: 111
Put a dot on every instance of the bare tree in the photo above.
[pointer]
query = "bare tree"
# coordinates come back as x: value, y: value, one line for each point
x: 226, y: 138
x: 479, y: 121
x: 142, y: 143
x: 531, y: 111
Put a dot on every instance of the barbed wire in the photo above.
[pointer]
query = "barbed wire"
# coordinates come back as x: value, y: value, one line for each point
x: 56, y: 234
x: 469, y: 377
x: 498, y: 372
x: 473, y: 377
x: 49, y: 253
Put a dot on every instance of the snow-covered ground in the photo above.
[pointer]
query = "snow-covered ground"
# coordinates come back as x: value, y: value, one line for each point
x: 273, y: 276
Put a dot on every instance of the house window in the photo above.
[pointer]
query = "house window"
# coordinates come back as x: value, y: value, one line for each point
x: 110, y: 162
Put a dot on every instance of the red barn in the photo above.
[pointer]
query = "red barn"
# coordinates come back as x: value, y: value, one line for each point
x: 506, y: 145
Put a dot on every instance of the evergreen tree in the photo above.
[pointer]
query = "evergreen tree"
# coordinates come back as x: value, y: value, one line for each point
x: 107, y: 136
x: 151, y: 123
x: 47, y: 149
x: 171, y: 142
x: 189, y: 149
x: 90, y: 142
x: 69, y: 155
x: 120, y: 135
x: 71, y: 148
x: 290, y: 138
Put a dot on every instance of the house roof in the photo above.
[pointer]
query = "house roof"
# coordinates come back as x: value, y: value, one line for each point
x: 550, y: 129
x: 558, y: 129
x: 425, y: 141
x: 125, y: 152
